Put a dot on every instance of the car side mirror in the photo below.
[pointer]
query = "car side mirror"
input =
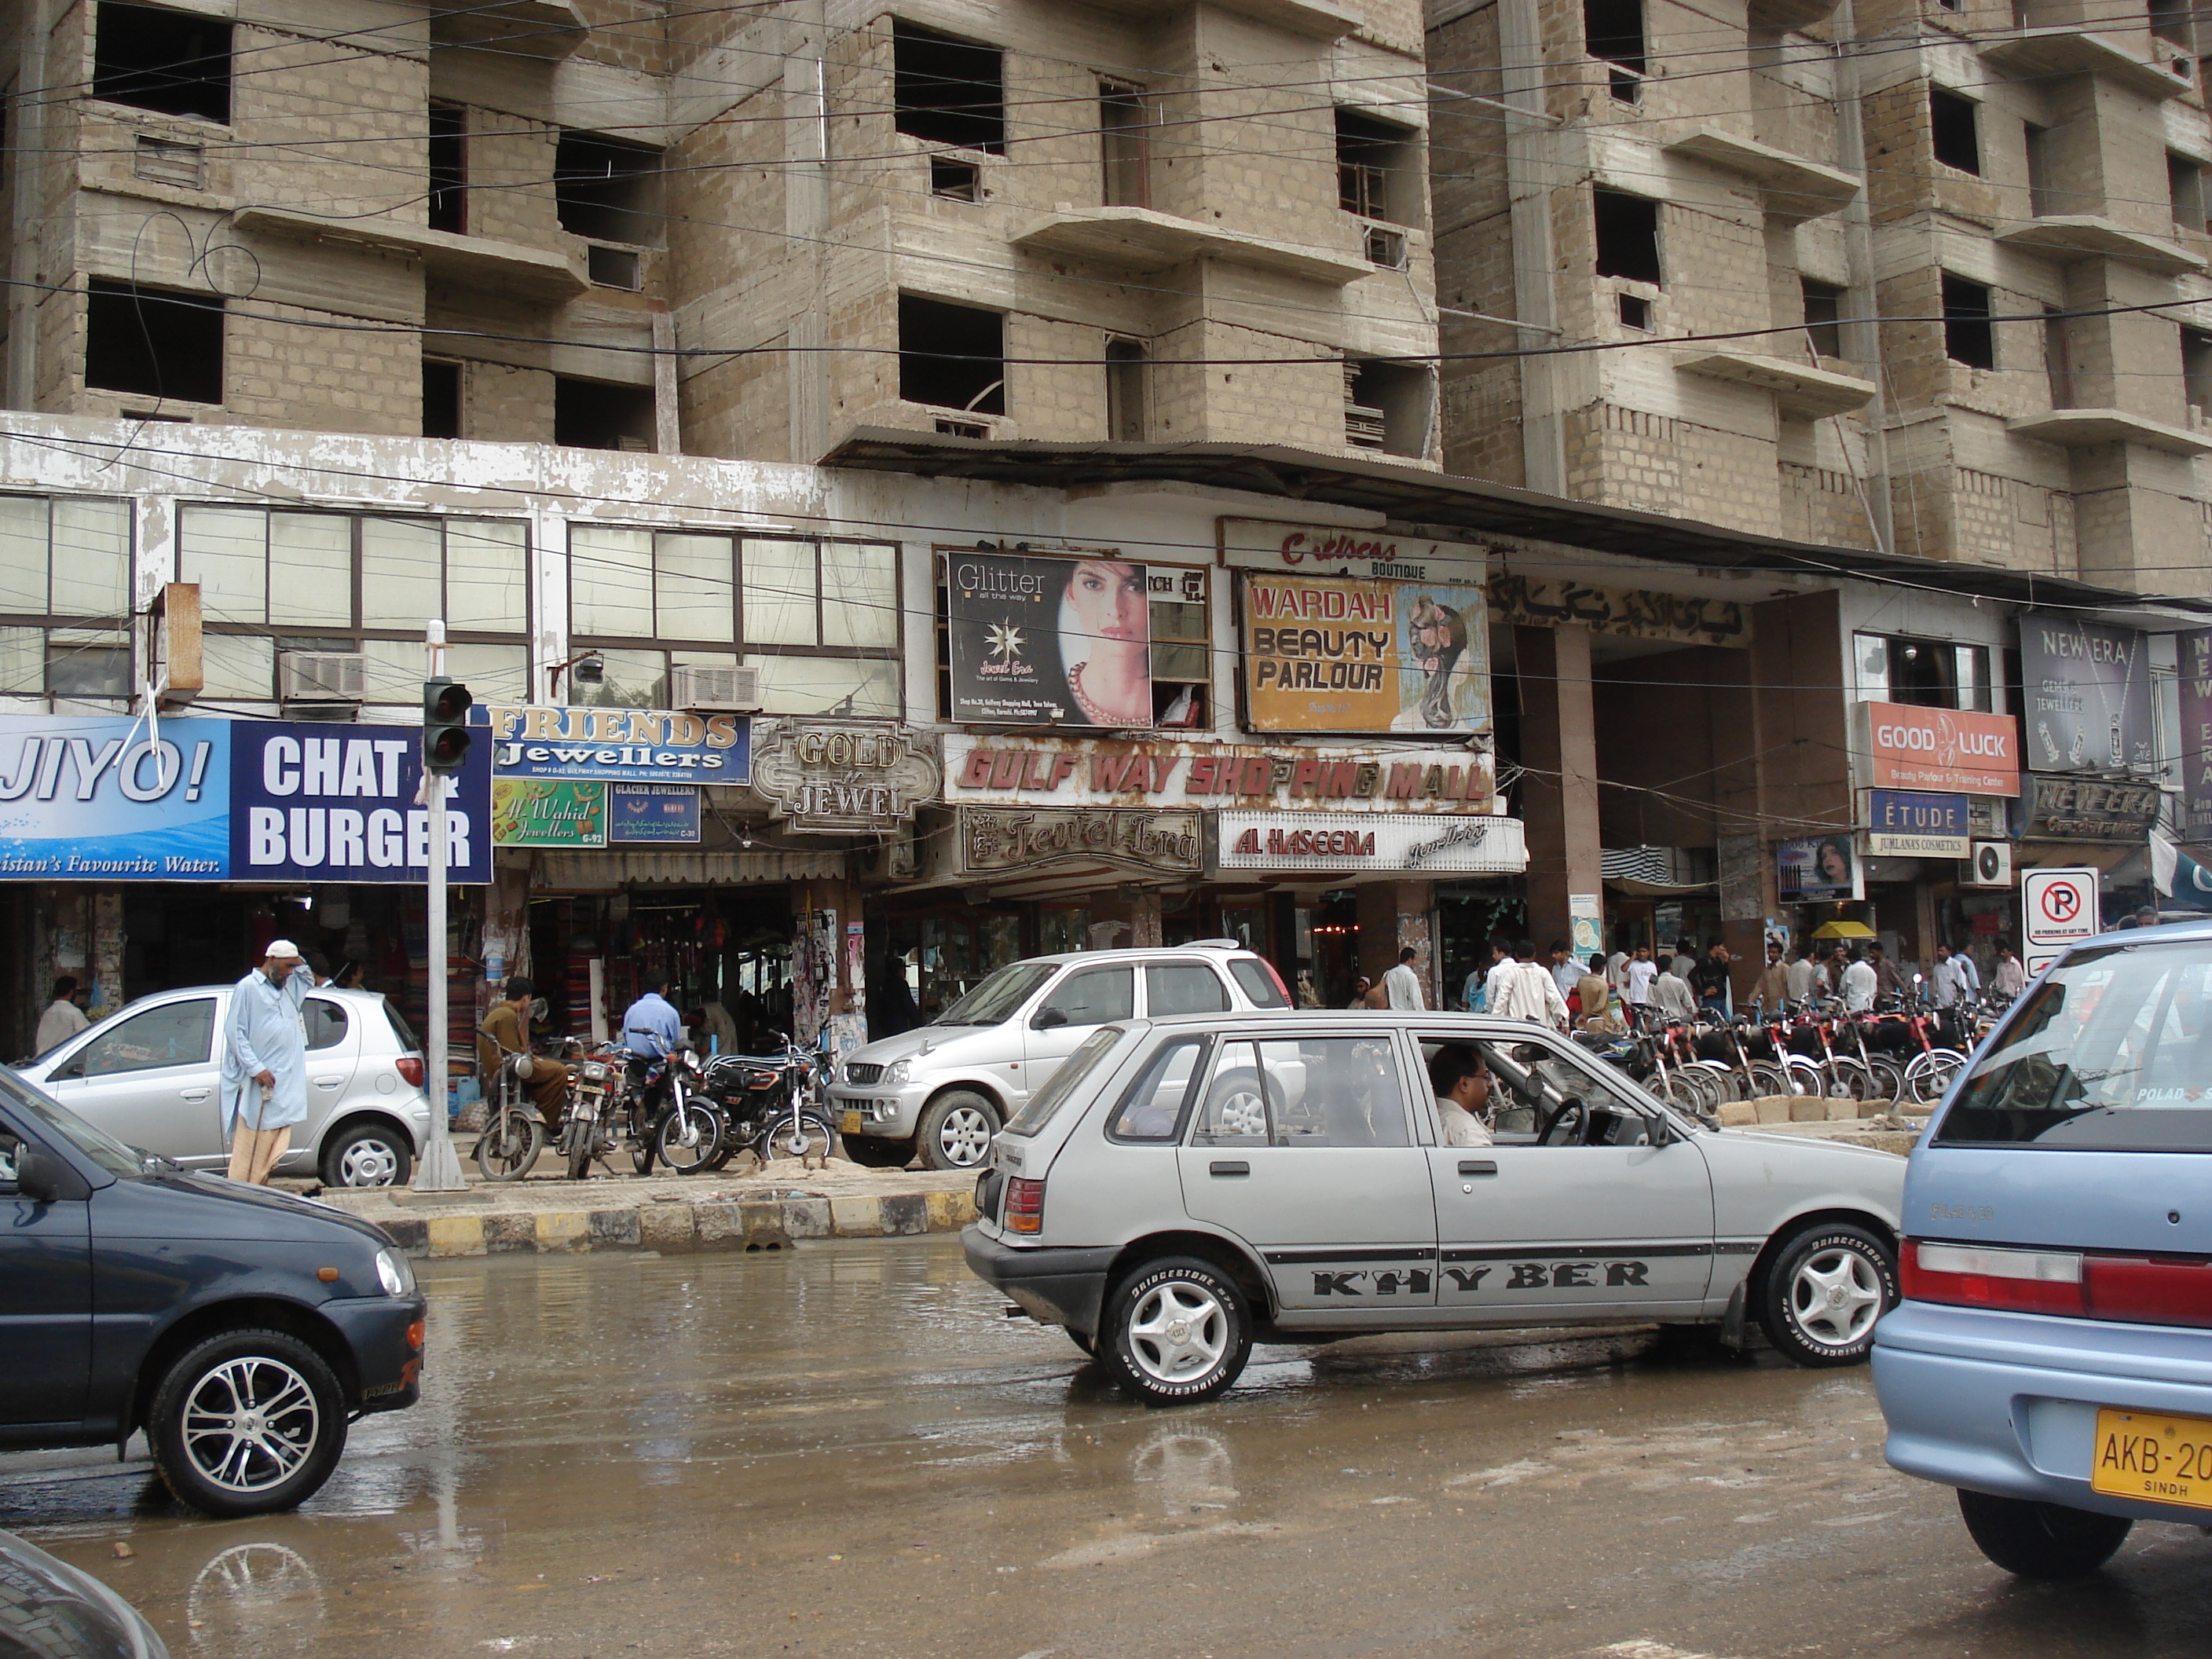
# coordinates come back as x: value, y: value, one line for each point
x: 38, y: 1174
x: 75, y: 1069
x: 1048, y: 1019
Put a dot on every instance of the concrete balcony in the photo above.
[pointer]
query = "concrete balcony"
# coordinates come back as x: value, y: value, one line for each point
x: 2081, y: 428
x: 1317, y: 19
x: 2070, y: 238
x: 1795, y: 188
x: 1138, y: 238
x: 1800, y: 388
x: 528, y: 28
x: 477, y: 261
x: 2066, y: 50
x: 1789, y: 14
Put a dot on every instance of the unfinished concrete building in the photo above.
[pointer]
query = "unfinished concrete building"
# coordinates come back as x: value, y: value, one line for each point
x: 727, y: 230
x: 1719, y: 194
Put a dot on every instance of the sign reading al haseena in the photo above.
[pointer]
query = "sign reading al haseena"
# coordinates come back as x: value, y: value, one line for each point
x: 102, y: 799
x: 2087, y: 696
x: 1039, y: 642
x: 616, y: 746
x: 1323, y: 655
x: 548, y: 812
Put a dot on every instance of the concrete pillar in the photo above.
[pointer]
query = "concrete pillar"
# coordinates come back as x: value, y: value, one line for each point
x: 1558, y: 792
x: 1394, y: 914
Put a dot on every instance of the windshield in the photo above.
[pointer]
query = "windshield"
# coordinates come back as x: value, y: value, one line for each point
x: 1055, y: 1094
x: 57, y: 1120
x: 2111, y: 1053
x: 995, y: 1000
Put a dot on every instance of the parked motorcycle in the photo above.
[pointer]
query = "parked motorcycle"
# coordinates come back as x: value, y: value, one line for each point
x: 771, y: 1103
x: 658, y: 1109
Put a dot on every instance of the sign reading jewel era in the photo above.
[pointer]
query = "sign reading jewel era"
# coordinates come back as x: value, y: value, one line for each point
x: 106, y: 799
x: 616, y: 746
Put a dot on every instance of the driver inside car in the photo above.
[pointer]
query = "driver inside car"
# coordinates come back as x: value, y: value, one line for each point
x: 1462, y: 1082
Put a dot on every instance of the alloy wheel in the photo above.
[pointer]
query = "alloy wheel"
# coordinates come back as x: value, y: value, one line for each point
x: 1836, y: 1297
x: 368, y: 1164
x: 1178, y: 1332
x: 249, y: 1424
x: 964, y: 1137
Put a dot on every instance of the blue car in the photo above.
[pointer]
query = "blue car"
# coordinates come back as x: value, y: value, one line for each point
x: 2052, y: 1355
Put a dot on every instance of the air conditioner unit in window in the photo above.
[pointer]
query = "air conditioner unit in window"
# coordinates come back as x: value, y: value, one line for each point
x: 322, y: 676
x: 732, y: 689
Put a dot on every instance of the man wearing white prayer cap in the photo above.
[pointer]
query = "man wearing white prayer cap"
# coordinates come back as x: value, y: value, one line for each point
x: 264, y: 1061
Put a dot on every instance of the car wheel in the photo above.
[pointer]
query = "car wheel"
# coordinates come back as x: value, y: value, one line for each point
x: 956, y: 1131
x: 2041, y: 1540
x: 873, y: 1152
x: 1827, y: 1288
x: 246, y: 1422
x: 367, y: 1155
x: 1176, y: 1331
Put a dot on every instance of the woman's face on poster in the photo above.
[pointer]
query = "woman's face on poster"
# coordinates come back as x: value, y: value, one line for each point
x: 1835, y: 863
x: 1108, y: 601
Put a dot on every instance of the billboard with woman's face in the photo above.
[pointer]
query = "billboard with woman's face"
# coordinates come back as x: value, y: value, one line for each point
x: 1817, y: 868
x: 1049, y: 641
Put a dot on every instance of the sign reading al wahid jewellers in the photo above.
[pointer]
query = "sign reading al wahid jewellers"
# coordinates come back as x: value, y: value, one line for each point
x: 616, y: 746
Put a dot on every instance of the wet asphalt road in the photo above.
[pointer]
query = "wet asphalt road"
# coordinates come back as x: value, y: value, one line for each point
x: 850, y: 1450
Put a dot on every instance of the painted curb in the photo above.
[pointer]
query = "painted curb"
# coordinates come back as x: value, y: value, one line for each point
x: 682, y: 1229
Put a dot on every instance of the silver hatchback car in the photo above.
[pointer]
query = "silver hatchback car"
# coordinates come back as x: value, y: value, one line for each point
x: 1184, y: 1186
x: 149, y: 1074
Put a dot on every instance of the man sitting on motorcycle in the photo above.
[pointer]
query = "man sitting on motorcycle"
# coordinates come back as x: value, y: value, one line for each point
x: 652, y: 1029
x: 504, y: 1033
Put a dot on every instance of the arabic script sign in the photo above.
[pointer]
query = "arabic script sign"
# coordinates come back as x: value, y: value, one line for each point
x: 1634, y: 612
x: 993, y: 840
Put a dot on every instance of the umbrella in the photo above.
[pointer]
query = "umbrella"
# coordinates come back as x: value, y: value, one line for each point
x: 1843, y: 930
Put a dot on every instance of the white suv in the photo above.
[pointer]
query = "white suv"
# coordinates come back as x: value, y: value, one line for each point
x: 950, y: 1084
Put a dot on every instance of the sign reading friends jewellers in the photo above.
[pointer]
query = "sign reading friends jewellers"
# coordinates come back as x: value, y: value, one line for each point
x: 843, y: 777
x: 1106, y: 773
x: 1328, y: 550
x: 616, y: 745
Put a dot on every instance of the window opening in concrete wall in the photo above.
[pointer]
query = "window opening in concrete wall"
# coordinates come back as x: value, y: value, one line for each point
x: 1635, y: 312
x: 1182, y: 647
x: 2171, y: 23
x: 2185, y: 185
x: 2057, y: 358
x: 1386, y: 248
x: 948, y: 91
x: 608, y: 188
x: 163, y: 162
x: 1378, y: 168
x: 2196, y: 369
x: 449, y: 168
x: 1612, y: 31
x: 1950, y: 5
x: 64, y: 597
x: 952, y: 355
x: 1824, y: 303
x: 151, y: 57
x: 957, y: 181
x: 1127, y: 363
x: 1951, y: 121
x: 1969, y: 336
x: 1125, y: 142
x: 614, y: 267
x: 1627, y: 235
x: 2040, y: 199
x: 1387, y: 406
x: 441, y: 397
x: 602, y: 415
x: 154, y: 341
x: 1924, y: 673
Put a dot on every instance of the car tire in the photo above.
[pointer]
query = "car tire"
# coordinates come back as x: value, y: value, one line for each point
x: 873, y: 1152
x: 956, y: 1131
x: 2041, y: 1540
x: 1176, y: 1331
x: 1825, y: 1289
x: 367, y: 1155
x: 224, y: 1466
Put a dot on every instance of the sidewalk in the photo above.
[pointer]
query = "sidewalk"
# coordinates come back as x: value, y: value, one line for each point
x: 1891, y: 1125
x: 765, y: 1209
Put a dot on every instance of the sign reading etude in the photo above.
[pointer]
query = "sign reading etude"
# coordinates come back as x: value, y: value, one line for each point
x: 844, y: 776
x: 616, y: 745
x: 1905, y: 824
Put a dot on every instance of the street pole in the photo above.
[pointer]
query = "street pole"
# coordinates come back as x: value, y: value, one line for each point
x: 440, y: 1170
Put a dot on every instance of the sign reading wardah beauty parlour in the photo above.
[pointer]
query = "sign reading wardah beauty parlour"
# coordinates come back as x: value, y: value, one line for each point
x: 1956, y: 750
x: 1322, y: 654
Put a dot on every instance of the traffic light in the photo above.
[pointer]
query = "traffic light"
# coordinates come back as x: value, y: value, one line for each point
x: 445, y: 727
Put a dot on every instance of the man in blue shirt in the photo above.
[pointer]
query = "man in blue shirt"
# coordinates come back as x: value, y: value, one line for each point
x: 651, y: 1028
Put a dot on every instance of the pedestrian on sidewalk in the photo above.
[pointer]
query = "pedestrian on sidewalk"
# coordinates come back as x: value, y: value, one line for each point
x: 264, y: 1061
x: 1524, y: 989
x: 1803, y: 973
x: 1709, y: 980
x: 1595, y: 993
x: 63, y: 1018
x: 2010, y: 979
x: 1360, y: 987
x: 1774, y: 981
x: 1403, y: 984
x: 1639, y: 974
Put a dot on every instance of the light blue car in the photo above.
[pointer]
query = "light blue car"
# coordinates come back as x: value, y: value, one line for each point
x: 2052, y: 1357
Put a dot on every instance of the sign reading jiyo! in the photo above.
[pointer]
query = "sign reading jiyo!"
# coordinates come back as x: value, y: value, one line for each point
x: 616, y: 746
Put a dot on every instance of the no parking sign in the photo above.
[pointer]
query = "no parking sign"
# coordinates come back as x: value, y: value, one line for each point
x: 2059, y: 909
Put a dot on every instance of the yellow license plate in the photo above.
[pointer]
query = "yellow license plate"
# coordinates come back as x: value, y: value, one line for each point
x: 2148, y: 1454
x: 850, y: 1125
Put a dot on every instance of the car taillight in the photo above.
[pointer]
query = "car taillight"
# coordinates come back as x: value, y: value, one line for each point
x: 1024, y: 1211
x: 1276, y: 976
x: 1971, y: 1276
x: 409, y: 1066
x: 2148, y: 1290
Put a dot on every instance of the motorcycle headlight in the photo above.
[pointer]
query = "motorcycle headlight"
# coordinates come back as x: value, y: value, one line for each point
x: 393, y: 1273
x: 898, y: 1071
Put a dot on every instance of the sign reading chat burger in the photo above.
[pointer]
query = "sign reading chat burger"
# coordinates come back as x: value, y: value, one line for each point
x: 1049, y: 641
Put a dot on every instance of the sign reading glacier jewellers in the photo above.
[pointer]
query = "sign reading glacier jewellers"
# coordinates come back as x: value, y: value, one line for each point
x: 995, y: 841
x: 1104, y: 773
x: 1333, y: 841
x: 1330, y: 549
x: 615, y: 746
x: 843, y: 777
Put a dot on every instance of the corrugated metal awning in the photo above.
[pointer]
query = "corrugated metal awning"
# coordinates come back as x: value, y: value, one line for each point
x: 599, y: 872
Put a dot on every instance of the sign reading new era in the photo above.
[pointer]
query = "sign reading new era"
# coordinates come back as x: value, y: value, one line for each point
x: 616, y: 746
x: 1954, y: 750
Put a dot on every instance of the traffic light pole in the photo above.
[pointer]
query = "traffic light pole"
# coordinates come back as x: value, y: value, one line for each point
x: 440, y: 1170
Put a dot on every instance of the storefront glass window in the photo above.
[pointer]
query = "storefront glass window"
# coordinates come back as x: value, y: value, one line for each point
x: 64, y: 597
x: 827, y: 685
x: 1924, y: 674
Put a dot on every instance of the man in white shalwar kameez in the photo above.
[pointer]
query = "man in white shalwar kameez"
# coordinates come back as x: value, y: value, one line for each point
x: 264, y: 1061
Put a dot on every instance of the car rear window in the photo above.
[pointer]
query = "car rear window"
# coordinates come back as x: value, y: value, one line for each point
x: 408, y: 1044
x: 1065, y: 1081
x: 2111, y: 1051
x: 1251, y: 974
